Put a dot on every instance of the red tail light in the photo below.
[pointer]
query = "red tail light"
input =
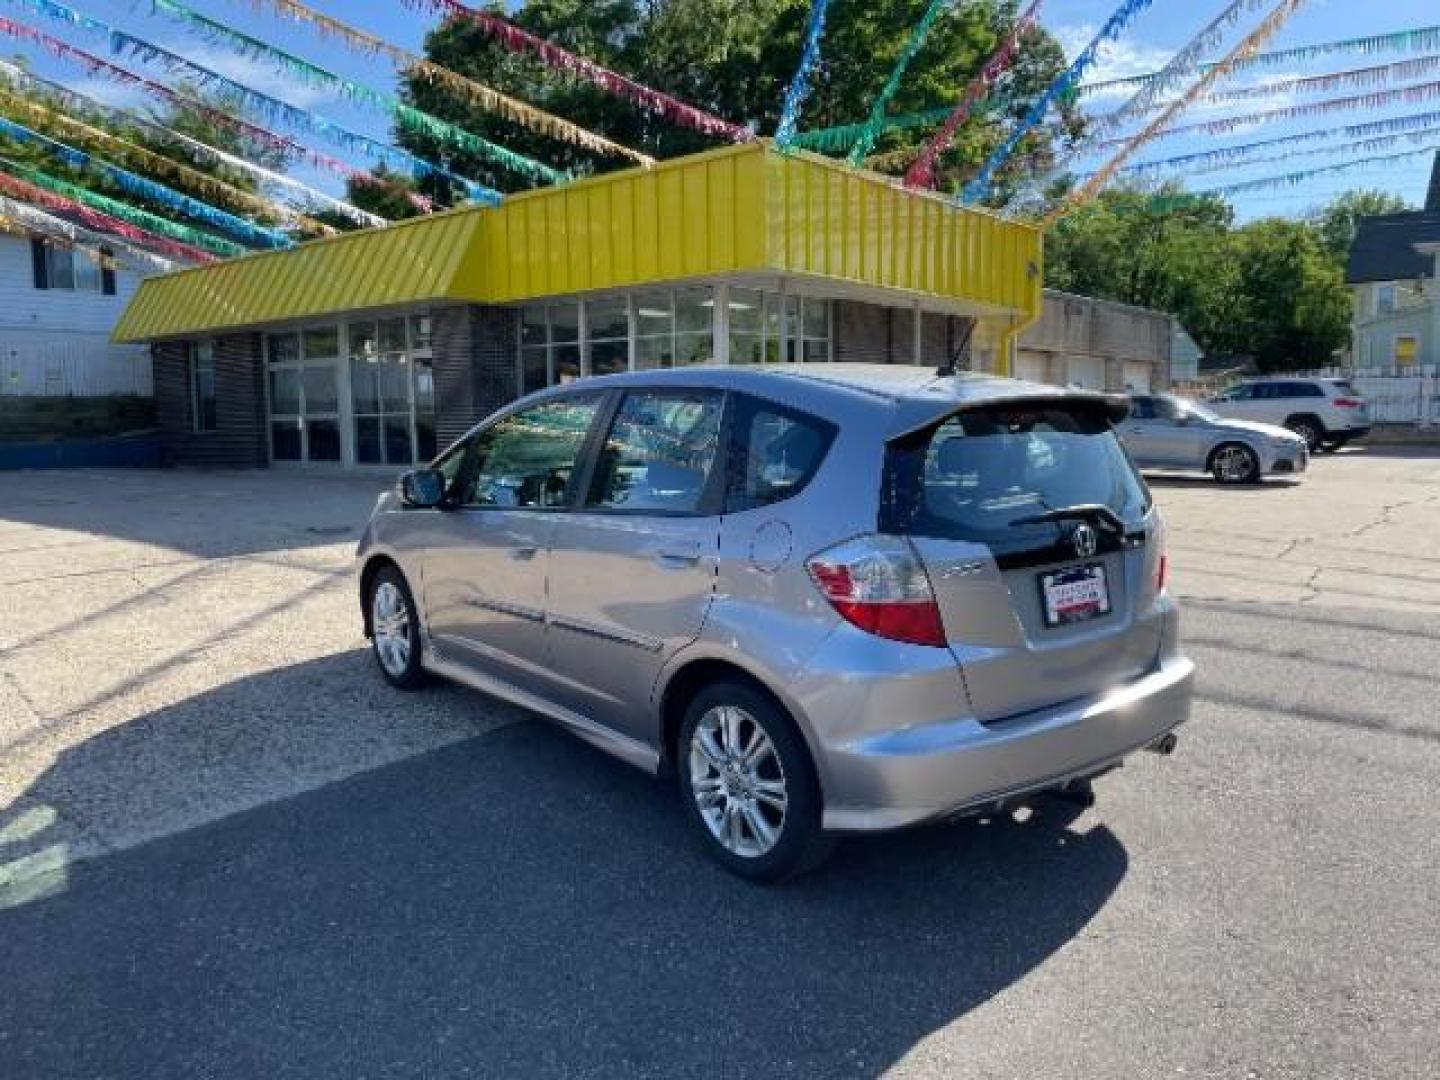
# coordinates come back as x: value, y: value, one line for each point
x: 1349, y: 403
x: 1162, y: 575
x: 878, y: 584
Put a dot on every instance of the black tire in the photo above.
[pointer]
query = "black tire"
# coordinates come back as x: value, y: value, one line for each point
x: 1223, y: 464
x: 801, y: 844
x: 1308, y: 428
x: 409, y: 675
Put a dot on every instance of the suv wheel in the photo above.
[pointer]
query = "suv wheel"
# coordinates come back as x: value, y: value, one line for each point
x: 395, y: 629
x: 1308, y: 428
x: 1235, y: 463
x: 748, y: 784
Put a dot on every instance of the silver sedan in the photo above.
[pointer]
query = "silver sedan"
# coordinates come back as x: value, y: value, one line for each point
x: 1168, y: 432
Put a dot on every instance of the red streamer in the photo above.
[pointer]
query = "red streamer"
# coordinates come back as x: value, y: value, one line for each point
x: 95, y: 65
x: 517, y: 39
x: 922, y: 172
x: 94, y: 219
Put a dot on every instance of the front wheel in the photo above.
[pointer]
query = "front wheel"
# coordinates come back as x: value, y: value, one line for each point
x: 1235, y: 464
x: 1308, y: 429
x: 395, y: 629
x: 748, y: 784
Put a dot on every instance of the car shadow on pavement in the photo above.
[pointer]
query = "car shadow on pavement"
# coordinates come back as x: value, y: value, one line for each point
x: 513, y: 904
x: 1186, y: 480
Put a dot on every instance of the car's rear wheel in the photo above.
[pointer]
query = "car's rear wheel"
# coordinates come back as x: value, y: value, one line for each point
x: 395, y: 629
x: 749, y: 786
x: 1308, y: 428
x: 1235, y: 463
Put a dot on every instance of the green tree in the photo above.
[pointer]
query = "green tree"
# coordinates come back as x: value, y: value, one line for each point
x: 1339, y: 221
x: 733, y: 58
x: 1168, y: 252
x: 1294, y: 309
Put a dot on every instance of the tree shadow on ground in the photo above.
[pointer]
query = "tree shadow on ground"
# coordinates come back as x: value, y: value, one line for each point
x: 514, y: 904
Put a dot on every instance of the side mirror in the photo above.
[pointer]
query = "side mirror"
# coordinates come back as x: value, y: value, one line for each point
x: 422, y: 489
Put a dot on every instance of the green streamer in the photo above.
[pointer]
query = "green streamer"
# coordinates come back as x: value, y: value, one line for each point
x: 837, y: 140
x: 875, y: 124
x: 406, y: 115
x: 124, y: 211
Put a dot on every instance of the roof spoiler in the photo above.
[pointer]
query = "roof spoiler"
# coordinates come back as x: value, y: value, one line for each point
x: 1116, y: 407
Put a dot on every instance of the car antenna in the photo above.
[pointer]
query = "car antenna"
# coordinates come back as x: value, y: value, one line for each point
x: 952, y: 365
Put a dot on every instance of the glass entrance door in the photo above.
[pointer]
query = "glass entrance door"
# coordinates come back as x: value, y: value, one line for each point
x: 304, y: 370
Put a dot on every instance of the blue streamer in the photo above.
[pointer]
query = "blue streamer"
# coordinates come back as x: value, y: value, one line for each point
x: 122, y: 44
x: 980, y: 185
x: 799, y: 88
x: 134, y: 184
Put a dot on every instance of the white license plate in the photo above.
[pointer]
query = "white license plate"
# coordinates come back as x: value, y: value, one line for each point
x: 1075, y: 595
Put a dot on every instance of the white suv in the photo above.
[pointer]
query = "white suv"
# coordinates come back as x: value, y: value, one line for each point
x: 1326, y: 413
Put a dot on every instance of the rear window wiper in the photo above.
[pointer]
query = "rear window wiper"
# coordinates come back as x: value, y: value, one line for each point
x: 1097, y: 512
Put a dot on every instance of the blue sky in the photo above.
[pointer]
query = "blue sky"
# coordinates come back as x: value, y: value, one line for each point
x: 1148, y: 44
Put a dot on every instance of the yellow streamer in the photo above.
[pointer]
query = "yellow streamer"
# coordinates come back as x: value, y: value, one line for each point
x: 1252, y: 44
x: 485, y: 97
x: 161, y: 165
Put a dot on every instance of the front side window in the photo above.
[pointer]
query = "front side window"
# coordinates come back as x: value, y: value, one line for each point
x: 776, y: 453
x: 1142, y: 408
x: 527, y: 460
x: 202, y: 387
x: 660, y: 454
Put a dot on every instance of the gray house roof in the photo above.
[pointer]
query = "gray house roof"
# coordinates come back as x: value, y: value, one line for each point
x: 1384, y: 247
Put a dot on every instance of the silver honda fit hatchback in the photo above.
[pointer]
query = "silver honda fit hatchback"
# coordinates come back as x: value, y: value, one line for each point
x: 828, y: 598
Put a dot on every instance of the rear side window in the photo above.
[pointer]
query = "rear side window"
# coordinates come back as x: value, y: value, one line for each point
x: 974, y: 476
x: 661, y: 453
x: 775, y: 453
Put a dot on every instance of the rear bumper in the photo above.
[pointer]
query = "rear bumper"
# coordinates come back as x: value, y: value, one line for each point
x: 1359, y: 431
x: 906, y: 777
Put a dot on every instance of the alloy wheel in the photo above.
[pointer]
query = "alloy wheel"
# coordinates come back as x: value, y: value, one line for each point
x: 390, y: 625
x: 737, y: 781
x: 1234, y: 464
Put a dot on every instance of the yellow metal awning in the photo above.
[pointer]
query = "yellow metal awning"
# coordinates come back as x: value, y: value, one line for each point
x: 741, y: 209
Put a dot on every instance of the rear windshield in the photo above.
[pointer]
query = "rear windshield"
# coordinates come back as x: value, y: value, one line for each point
x: 974, y: 475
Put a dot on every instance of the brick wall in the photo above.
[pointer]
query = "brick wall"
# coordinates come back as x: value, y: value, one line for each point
x: 239, y: 440
x: 475, y: 365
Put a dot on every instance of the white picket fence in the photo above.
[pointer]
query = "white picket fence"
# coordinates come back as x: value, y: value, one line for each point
x: 1407, y: 395
x: 76, y: 366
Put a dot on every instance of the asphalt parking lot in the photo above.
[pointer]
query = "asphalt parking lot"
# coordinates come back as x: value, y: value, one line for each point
x: 228, y: 850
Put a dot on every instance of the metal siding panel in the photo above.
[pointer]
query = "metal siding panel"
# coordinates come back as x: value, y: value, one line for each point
x: 670, y: 220
x: 597, y: 227
x: 722, y: 214
x: 647, y: 227
x: 753, y: 220
x: 622, y: 231
x: 697, y: 211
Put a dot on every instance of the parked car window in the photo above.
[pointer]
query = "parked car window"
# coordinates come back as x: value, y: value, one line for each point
x: 975, y: 476
x: 1244, y: 392
x: 1142, y: 408
x: 1308, y: 389
x: 527, y: 460
x: 776, y: 451
x: 660, y: 454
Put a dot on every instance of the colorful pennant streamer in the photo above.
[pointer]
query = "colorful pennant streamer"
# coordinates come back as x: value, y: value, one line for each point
x: 1233, y: 156
x: 159, y: 164
x: 1252, y: 43
x: 101, y: 222
x: 799, y: 88
x: 144, y: 219
x: 476, y: 93
x: 922, y: 172
x: 283, y: 144
x: 1417, y: 94
x: 1423, y: 39
x: 136, y: 184
x: 842, y: 137
x: 22, y: 220
x: 1288, y: 180
x: 875, y: 123
x: 979, y: 187
x: 517, y: 39
x: 303, y: 197
x: 1182, y: 67
x: 310, y: 74
x: 1360, y: 146
x: 1355, y: 78
x: 122, y: 43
